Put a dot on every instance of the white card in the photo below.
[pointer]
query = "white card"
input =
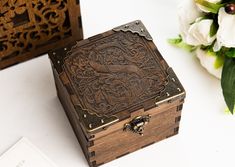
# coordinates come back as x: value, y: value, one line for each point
x: 24, y: 154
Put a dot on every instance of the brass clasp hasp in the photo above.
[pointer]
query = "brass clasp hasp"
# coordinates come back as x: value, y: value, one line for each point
x: 137, y: 124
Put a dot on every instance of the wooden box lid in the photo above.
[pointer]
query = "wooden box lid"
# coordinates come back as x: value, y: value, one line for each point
x: 31, y: 28
x: 113, y: 74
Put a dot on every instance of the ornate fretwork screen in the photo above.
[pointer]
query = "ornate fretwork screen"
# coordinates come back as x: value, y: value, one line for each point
x: 29, y: 28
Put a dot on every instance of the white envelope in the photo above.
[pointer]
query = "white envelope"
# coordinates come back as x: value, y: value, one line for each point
x: 24, y: 154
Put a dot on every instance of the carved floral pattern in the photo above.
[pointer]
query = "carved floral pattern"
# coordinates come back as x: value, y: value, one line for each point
x: 26, y: 25
x: 13, y: 8
x: 114, y: 73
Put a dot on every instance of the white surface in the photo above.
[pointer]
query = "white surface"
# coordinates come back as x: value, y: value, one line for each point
x: 29, y: 106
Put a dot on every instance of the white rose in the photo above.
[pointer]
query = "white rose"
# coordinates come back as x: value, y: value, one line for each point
x: 199, y: 33
x: 208, y: 62
x: 226, y: 31
x: 187, y: 13
x: 204, y: 9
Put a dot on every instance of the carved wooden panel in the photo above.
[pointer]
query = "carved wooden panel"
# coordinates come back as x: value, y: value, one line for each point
x: 29, y: 28
x: 115, y: 73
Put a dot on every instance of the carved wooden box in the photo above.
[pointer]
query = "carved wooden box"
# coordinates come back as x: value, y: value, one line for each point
x: 29, y: 28
x: 118, y: 92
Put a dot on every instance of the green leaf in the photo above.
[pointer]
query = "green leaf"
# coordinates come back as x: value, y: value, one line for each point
x: 228, y: 83
x: 211, y: 7
x: 210, y: 16
x: 230, y: 53
x: 175, y: 41
x: 178, y: 42
x: 213, y: 29
x: 227, y: 111
x: 219, y: 61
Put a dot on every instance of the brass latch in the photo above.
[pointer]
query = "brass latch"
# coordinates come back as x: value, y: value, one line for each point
x: 137, y: 124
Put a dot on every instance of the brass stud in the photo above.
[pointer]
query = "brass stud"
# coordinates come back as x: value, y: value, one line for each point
x: 126, y: 26
x: 65, y: 49
x: 90, y: 126
x: 54, y: 53
x: 102, y: 121
x: 179, y: 89
x: 142, y: 30
x: 84, y: 115
x: 173, y: 79
x: 137, y: 22
x: 167, y: 94
x: 58, y: 62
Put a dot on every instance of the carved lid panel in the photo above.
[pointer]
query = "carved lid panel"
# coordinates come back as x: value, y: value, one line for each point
x: 113, y: 73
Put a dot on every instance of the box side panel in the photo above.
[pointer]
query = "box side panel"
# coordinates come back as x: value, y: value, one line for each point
x: 119, y: 143
x: 69, y: 109
x: 157, y: 110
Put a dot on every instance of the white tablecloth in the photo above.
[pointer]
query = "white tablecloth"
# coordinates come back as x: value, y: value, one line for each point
x: 29, y: 106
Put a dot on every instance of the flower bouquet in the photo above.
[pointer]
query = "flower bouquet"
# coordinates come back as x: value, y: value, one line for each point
x: 208, y: 29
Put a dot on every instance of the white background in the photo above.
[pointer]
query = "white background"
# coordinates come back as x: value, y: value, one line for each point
x: 29, y: 106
